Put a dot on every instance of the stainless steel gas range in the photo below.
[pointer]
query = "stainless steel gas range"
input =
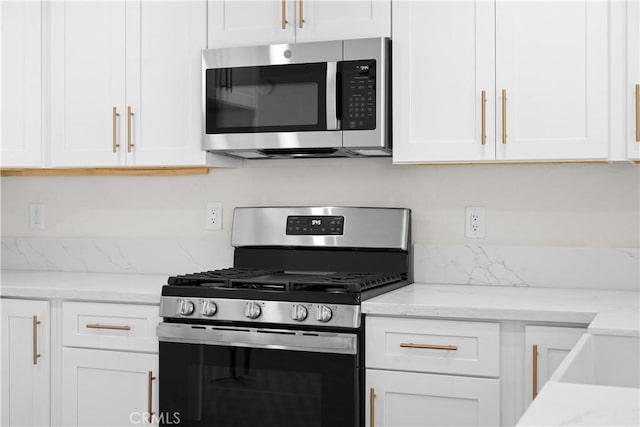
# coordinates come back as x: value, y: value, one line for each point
x: 278, y: 339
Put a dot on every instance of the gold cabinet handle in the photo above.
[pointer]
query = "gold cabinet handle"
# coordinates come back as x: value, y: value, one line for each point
x: 129, y: 116
x: 115, y: 129
x: 112, y: 327
x: 534, y: 370
x: 429, y: 346
x: 284, y: 15
x: 372, y: 407
x: 150, y: 379
x: 504, y: 116
x: 36, y: 322
x: 638, y: 113
x: 483, y: 125
x: 301, y: 13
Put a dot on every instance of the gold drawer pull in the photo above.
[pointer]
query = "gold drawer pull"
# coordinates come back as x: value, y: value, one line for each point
x: 483, y: 125
x: 429, y: 346
x: 129, y: 116
x: 115, y: 116
x: 150, y: 412
x: 113, y: 327
x: 36, y: 322
x: 284, y: 14
x: 534, y: 372
x: 504, y: 116
x: 301, y: 20
x: 637, y: 113
x: 372, y: 407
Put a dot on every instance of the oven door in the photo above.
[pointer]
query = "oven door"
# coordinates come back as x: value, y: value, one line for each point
x: 248, y: 376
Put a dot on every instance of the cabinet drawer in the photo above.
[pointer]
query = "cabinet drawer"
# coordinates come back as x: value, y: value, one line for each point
x: 429, y: 345
x: 110, y: 326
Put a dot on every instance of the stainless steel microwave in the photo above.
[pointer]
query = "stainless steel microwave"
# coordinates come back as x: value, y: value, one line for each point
x: 320, y: 99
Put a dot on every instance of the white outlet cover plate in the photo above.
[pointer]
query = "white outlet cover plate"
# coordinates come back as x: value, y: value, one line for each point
x: 475, y: 222
x: 36, y: 215
x: 213, y: 216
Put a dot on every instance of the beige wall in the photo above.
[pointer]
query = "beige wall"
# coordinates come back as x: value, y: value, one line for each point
x: 542, y: 204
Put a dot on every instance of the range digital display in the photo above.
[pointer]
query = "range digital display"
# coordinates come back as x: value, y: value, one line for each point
x: 315, y: 225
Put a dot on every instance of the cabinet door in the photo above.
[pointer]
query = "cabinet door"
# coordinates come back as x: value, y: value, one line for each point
x: 551, y: 59
x: 549, y: 345
x: 241, y: 22
x: 411, y: 399
x: 337, y: 20
x: 164, y: 43
x: 87, y: 82
x: 108, y: 388
x: 633, y: 79
x: 443, y: 58
x: 25, y: 363
x: 21, y: 112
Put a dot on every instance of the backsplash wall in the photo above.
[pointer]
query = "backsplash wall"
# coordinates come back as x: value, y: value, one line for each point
x: 593, y: 205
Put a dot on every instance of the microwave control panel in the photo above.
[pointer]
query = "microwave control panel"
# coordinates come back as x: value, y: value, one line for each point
x: 359, y: 94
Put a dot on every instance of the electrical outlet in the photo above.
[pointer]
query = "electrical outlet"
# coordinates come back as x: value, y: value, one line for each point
x: 475, y: 227
x: 36, y: 216
x: 213, y: 216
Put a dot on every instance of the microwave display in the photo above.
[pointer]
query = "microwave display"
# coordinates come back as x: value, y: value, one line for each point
x: 358, y: 94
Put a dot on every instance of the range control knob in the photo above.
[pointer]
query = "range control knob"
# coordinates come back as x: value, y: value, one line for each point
x: 209, y: 308
x: 252, y: 310
x: 323, y: 313
x: 299, y: 312
x: 186, y: 308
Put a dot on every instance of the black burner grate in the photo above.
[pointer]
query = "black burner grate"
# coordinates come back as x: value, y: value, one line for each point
x: 218, y: 277
x: 279, y: 281
x: 346, y: 282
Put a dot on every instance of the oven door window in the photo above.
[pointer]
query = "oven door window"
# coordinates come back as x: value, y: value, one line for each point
x: 274, y: 98
x: 206, y: 385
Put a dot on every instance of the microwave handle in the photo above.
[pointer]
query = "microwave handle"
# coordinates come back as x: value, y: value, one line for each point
x: 332, y: 98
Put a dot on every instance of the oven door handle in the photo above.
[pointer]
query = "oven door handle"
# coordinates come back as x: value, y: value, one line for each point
x: 319, y: 342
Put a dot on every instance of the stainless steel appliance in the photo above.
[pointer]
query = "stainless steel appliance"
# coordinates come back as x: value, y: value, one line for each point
x: 278, y: 339
x: 321, y: 99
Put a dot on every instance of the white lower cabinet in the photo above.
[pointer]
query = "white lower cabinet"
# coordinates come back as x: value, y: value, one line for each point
x: 431, y: 372
x: 108, y: 388
x: 26, y: 363
x: 545, y: 348
x: 109, y: 364
x: 417, y: 399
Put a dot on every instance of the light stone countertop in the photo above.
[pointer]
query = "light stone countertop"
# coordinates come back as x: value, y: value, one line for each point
x: 607, y: 312
x: 138, y: 288
x: 567, y: 404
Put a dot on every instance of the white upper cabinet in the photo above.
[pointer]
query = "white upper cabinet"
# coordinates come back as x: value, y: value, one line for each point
x: 551, y: 66
x: 21, y: 86
x: 240, y: 22
x: 633, y: 80
x: 340, y: 19
x: 165, y: 73
x: 443, y: 60
x: 549, y: 59
x: 87, y: 83
x: 125, y: 83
